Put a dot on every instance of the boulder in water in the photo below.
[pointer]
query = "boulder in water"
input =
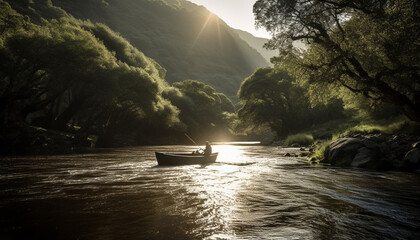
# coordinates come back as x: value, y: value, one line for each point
x: 363, y: 156
x: 375, y: 151
x: 343, y: 150
x: 412, y: 159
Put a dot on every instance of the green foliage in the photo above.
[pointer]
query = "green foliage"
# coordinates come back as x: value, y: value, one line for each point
x: 399, y: 127
x: 339, y: 129
x: 365, y: 108
x: 264, y: 101
x: 124, y: 51
x: 329, y: 129
x: 80, y: 77
x: 271, y: 100
x: 364, y: 129
x: 300, y: 139
x: 320, y: 152
x: 37, y: 10
x: 367, y: 49
x: 205, y: 112
x: 195, y: 45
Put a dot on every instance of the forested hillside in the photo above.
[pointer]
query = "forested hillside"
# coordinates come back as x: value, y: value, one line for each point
x: 68, y: 83
x: 258, y: 44
x: 185, y: 39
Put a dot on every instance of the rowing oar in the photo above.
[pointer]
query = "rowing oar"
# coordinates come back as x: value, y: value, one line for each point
x: 193, y: 141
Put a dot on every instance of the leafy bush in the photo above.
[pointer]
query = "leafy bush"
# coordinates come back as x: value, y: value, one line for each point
x: 321, y: 151
x: 398, y: 127
x: 300, y: 139
x: 364, y: 129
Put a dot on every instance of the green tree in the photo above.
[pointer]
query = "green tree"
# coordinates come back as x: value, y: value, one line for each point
x: 196, y: 45
x: 204, y: 112
x: 65, y: 73
x: 44, y: 63
x: 263, y: 97
x: 370, y: 48
x: 272, y: 100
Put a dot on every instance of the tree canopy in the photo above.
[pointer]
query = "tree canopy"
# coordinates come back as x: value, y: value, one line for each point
x: 272, y: 100
x: 204, y: 111
x: 81, y: 79
x: 370, y: 48
x: 185, y: 39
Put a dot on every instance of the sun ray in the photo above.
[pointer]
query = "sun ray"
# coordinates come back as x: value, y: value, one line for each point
x: 219, y: 34
x: 209, y: 17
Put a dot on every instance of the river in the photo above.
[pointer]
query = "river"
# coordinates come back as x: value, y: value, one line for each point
x: 252, y: 192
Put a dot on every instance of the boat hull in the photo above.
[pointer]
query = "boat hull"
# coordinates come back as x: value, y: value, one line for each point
x: 165, y: 159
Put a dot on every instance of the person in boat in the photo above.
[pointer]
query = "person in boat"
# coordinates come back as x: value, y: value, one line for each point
x: 208, y: 149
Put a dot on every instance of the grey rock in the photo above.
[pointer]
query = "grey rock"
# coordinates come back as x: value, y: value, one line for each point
x: 363, y: 156
x: 385, y: 148
x: 304, y: 154
x: 395, y: 137
x: 343, y: 150
x: 413, y: 157
x: 378, y: 137
x: 344, y: 143
x: 376, y: 151
x: 394, y: 145
x: 370, y: 144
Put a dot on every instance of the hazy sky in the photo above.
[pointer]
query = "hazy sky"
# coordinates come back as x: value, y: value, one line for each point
x: 236, y: 13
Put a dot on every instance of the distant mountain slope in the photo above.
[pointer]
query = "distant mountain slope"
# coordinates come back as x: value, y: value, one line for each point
x: 186, y: 39
x: 257, y: 43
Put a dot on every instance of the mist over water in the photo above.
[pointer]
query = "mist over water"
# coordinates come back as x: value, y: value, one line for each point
x: 252, y: 192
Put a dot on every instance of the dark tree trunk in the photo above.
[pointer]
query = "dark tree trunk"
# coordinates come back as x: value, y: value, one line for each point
x: 69, y: 113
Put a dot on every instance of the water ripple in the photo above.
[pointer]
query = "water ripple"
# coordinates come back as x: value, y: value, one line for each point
x: 252, y: 192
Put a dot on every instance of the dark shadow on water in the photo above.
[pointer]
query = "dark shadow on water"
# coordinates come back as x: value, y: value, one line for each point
x: 177, y: 166
x: 235, y: 164
x: 201, y: 166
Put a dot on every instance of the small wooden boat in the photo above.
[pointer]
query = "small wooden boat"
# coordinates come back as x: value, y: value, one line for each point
x: 174, y: 159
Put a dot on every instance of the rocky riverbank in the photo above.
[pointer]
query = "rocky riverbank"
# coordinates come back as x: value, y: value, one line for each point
x: 374, y: 151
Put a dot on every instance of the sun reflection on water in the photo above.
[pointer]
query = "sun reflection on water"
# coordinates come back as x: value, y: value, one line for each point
x: 219, y: 185
x: 251, y: 192
x: 231, y: 155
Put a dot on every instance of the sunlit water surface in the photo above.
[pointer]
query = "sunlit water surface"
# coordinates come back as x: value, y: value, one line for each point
x: 252, y: 192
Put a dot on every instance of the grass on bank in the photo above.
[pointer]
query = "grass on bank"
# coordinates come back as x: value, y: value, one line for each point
x: 400, y: 127
x: 299, y: 139
x: 320, y: 152
x: 403, y: 127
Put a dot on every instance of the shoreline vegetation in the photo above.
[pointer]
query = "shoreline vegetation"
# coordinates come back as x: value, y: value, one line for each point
x: 392, y: 146
x: 107, y: 74
x: 386, y: 146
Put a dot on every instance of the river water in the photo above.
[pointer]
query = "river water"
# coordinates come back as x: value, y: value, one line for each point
x: 252, y: 192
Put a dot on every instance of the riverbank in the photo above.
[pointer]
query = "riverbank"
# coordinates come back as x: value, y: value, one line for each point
x: 373, y: 151
x: 390, y: 145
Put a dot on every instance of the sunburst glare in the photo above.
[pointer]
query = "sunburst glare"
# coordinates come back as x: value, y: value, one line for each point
x: 228, y: 153
x: 211, y: 17
x: 219, y: 33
